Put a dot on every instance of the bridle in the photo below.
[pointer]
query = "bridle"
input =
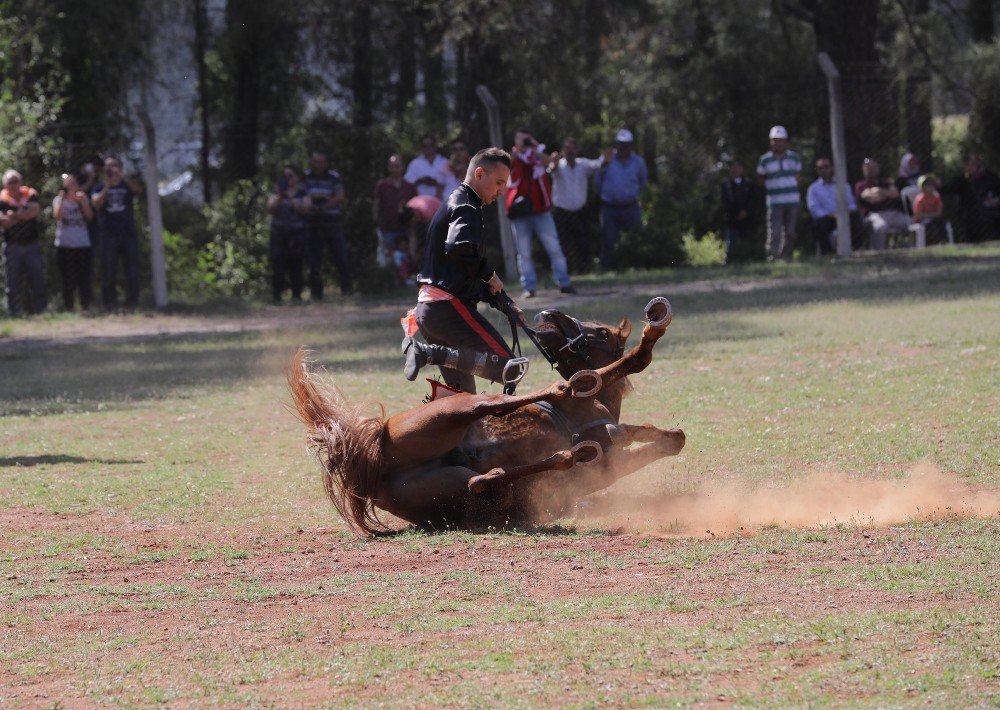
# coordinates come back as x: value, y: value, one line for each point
x: 576, y: 340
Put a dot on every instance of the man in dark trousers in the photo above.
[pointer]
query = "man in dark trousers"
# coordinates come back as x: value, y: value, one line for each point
x: 739, y: 201
x: 325, y: 197
x: 455, y: 277
x: 113, y: 202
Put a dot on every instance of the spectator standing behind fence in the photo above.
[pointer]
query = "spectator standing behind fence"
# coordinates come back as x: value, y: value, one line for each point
x: 22, y: 256
x: 781, y: 171
x: 739, y: 202
x: 391, y: 195
x: 72, y: 212
x: 570, y: 177
x: 113, y: 202
x: 529, y: 206
x: 821, y: 201
x: 619, y: 183
x: 325, y: 198
x: 879, y: 200
x: 459, y: 160
x: 287, y: 206
x: 978, y: 191
x: 431, y: 173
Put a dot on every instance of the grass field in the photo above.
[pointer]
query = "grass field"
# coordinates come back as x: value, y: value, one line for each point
x: 164, y: 538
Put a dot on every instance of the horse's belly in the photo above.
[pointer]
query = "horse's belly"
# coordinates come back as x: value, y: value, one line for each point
x: 512, y: 440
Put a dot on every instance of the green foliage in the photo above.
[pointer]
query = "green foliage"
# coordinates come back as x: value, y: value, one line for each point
x: 234, y: 261
x: 707, y: 250
x: 951, y: 136
x: 984, y: 127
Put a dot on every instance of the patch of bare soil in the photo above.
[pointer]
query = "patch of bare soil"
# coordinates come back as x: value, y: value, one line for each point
x: 318, y: 592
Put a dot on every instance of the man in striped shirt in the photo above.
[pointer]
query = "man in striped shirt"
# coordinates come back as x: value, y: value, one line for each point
x: 780, y: 169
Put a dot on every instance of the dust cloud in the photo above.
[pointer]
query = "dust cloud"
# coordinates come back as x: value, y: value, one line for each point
x: 924, y: 493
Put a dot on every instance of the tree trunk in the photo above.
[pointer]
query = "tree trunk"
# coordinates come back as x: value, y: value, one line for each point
x: 242, y: 135
x: 595, y: 27
x: 870, y: 115
x: 406, y: 90
x: 982, y: 26
x: 917, y: 102
x: 432, y: 64
x: 361, y: 69
x: 200, y: 49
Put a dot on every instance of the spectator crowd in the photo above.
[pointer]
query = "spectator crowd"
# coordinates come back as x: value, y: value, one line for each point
x: 546, y: 198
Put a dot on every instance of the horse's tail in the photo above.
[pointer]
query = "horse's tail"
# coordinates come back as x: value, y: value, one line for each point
x: 347, y: 445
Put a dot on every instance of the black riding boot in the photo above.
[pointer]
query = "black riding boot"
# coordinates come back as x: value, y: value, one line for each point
x: 489, y: 366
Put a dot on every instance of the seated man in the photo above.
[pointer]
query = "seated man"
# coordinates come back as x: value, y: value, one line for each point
x: 880, y: 204
x: 821, y: 199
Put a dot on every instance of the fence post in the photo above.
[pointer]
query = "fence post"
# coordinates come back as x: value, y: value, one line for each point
x: 496, y: 138
x: 839, y: 152
x: 151, y: 174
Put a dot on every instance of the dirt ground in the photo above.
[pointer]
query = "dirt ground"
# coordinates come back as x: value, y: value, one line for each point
x: 123, y: 609
x: 98, y: 601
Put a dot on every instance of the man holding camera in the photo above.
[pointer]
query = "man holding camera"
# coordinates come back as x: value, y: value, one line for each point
x: 529, y: 206
x: 454, y: 278
x: 113, y: 202
x: 325, y: 197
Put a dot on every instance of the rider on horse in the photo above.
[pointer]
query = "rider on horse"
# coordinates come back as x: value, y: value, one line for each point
x: 455, y: 277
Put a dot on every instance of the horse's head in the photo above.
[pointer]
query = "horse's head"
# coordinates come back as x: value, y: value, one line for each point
x: 580, y: 345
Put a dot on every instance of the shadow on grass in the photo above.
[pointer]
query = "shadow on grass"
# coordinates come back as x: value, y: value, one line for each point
x: 548, y: 530
x: 97, y: 375
x: 27, y: 461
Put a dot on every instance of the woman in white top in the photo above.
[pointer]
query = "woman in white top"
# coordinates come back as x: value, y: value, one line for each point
x: 72, y: 210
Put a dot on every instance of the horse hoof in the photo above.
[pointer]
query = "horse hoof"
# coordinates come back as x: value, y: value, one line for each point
x: 478, y: 484
x: 581, y: 379
x: 659, y: 313
x: 586, y: 453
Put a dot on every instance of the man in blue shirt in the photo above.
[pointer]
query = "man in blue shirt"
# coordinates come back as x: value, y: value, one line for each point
x: 324, y: 218
x: 821, y: 199
x: 619, y: 184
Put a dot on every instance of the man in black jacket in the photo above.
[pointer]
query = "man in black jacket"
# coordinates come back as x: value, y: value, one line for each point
x: 455, y: 277
x: 739, y: 201
x: 978, y: 191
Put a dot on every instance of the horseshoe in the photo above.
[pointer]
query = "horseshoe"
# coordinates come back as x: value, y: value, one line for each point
x: 663, y: 320
x: 583, y: 446
x: 582, y: 375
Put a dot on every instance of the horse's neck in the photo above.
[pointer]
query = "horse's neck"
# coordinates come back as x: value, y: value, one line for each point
x: 611, y: 397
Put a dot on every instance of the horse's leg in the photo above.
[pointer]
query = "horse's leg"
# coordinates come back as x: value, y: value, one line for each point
x: 620, y: 463
x: 559, y: 493
x: 433, y: 429
x: 638, y: 358
x: 643, y: 433
x: 586, y: 452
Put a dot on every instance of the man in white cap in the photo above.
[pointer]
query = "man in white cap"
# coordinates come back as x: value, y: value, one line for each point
x: 619, y: 184
x: 781, y: 170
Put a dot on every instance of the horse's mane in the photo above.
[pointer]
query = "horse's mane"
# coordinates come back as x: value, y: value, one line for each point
x: 347, y: 444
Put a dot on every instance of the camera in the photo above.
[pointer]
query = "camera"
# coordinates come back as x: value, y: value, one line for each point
x: 528, y: 142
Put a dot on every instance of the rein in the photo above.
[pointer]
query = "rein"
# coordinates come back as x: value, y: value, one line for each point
x: 577, y: 344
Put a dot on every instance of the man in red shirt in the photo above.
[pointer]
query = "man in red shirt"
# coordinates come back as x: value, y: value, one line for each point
x: 391, y: 194
x: 19, y: 208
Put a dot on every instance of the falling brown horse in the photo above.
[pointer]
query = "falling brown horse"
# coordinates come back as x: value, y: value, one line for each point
x: 492, y: 460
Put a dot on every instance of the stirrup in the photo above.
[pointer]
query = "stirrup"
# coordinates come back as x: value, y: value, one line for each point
x: 583, y: 446
x: 582, y: 374
x: 515, y: 370
x: 667, y: 316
